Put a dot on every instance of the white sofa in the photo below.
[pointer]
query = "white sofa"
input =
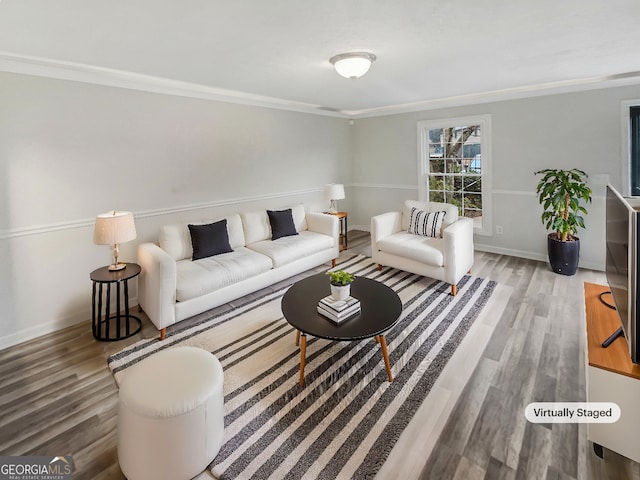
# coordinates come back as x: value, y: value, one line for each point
x: 446, y: 257
x: 173, y: 287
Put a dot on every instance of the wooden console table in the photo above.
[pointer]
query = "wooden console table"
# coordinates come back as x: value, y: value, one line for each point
x: 611, y: 377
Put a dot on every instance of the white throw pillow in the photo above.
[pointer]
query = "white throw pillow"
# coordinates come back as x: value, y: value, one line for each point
x: 428, y: 224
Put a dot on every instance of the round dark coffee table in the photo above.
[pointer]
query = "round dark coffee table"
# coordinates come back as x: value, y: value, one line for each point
x: 380, y: 310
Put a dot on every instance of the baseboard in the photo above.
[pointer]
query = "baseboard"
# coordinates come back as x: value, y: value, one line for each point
x: 55, y: 326
x: 531, y: 255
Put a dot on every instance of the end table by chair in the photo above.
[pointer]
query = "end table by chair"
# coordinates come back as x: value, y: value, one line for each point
x: 114, y: 326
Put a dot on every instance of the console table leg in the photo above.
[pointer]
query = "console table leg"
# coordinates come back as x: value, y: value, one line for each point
x: 303, y: 352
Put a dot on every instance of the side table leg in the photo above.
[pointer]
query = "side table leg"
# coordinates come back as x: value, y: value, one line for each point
x: 303, y: 352
x: 127, y: 318
x: 94, y: 320
x: 297, y: 337
x: 385, y: 355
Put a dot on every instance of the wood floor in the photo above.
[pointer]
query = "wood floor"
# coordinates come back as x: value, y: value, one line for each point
x: 57, y: 396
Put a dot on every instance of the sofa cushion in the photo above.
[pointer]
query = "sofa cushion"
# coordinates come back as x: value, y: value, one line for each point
x: 209, y: 239
x: 421, y: 249
x: 281, y: 222
x: 288, y: 249
x: 175, y: 239
x: 257, y: 228
x: 427, y: 224
x: 199, y: 277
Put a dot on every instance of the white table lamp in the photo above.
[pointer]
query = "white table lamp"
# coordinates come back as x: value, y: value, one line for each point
x: 333, y: 192
x: 114, y: 228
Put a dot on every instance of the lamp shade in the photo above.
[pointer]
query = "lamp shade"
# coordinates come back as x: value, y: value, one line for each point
x: 114, y: 227
x: 352, y: 65
x: 334, y: 191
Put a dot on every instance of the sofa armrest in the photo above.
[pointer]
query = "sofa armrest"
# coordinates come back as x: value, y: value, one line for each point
x: 157, y: 285
x: 323, y: 223
x: 384, y: 225
x: 458, y: 249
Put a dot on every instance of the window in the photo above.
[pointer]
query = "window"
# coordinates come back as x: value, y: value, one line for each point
x: 634, y: 149
x: 454, y: 166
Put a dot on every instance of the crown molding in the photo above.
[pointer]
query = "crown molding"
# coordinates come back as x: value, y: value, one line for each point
x: 79, y: 72
x: 514, y: 93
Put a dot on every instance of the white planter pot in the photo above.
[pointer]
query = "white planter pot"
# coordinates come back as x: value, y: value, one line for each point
x: 340, y: 292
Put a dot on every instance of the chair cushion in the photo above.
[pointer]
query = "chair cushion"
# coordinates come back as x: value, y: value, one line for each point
x: 209, y: 239
x: 427, y: 224
x: 281, y: 222
x: 416, y: 247
x: 288, y: 249
x: 199, y: 277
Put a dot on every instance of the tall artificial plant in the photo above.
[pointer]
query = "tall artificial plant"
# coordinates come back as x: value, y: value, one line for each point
x: 561, y: 193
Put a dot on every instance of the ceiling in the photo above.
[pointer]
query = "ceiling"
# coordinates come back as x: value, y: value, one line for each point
x: 430, y: 52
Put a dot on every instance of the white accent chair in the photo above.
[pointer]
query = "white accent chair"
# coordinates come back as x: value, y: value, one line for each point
x: 170, y: 415
x: 447, y: 258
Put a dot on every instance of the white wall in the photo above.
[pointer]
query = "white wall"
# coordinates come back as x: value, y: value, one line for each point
x: 69, y: 151
x: 580, y: 130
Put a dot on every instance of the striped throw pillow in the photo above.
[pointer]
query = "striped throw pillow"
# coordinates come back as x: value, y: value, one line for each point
x: 428, y: 224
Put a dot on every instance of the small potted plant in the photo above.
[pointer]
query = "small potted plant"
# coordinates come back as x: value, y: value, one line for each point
x: 561, y: 193
x: 341, y: 284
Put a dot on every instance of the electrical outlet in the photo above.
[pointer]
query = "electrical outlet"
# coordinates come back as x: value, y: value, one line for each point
x: 499, y: 230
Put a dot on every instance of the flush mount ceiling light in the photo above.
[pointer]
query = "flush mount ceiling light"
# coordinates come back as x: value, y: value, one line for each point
x: 354, y: 64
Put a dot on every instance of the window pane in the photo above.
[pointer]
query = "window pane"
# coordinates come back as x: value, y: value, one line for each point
x: 472, y: 213
x: 473, y: 201
x: 457, y: 183
x: 435, y: 135
x: 456, y: 199
x: 436, y: 182
x: 471, y: 150
x: 472, y: 183
x: 436, y: 197
x: 436, y: 150
x: 452, y: 165
x: 452, y: 150
x: 436, y: 166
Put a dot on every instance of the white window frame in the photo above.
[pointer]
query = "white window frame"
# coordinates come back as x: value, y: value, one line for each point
x: 423, y: 161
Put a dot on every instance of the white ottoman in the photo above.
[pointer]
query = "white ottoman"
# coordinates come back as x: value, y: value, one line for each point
x: 170, y: 415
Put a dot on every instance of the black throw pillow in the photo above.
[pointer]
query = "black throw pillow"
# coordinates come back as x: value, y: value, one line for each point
x: 209, y: 240
x: 281, y: 223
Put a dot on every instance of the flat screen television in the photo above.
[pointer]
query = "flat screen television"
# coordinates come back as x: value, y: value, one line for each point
x: 622, y: 266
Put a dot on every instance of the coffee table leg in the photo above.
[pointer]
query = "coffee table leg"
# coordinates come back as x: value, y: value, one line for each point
x: 297, y: 337
x: 385, y: 355
x: 303, y: 351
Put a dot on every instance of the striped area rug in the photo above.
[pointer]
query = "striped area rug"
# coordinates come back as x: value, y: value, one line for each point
x: 346, y: 419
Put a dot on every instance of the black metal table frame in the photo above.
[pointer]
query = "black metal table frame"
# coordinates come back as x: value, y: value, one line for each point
x: 121, y: 282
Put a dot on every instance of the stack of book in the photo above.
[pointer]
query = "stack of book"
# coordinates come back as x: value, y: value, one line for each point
x: 339, y: 311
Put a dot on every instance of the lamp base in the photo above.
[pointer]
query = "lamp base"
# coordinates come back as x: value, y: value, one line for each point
x: 117, y: 266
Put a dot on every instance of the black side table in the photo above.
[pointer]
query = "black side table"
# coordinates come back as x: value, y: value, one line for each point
x: 101, y: 324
